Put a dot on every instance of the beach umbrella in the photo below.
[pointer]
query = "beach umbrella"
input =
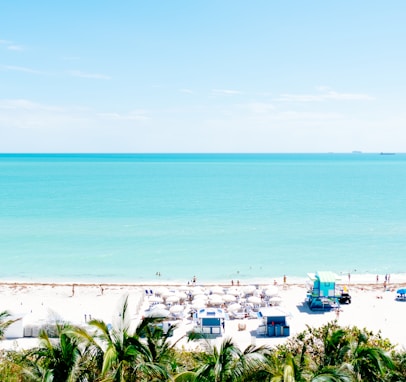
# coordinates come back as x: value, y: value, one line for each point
x: 200, y: 297
x: 276, y: 300
x: 157, y: 306
x: 171, y: 299
x: 198, y: 304
x: 181, y: 295
x: 161, y: 290
x: 228, y: 298
x: 235, y: 291
x: 234, y: 307
x: 254, y: 299
x: 271, y: 291
x: 162, y: 313
x: 216, y: 299
x: 155, y: 299
x: 197, y: 290
x: 167, y: 293
x: 217, y: 290
x: 176, y: 309
x: 248, y: 289
x: 401, y: 291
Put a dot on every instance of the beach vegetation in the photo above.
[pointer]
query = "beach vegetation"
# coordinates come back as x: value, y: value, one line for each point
x: 5, y: 322
x: 109, y: 353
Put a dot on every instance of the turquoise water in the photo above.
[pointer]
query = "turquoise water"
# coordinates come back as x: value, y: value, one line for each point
x: 123, y: 218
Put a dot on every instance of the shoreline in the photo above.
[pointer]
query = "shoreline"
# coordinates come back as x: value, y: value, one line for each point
x: 354, y: 280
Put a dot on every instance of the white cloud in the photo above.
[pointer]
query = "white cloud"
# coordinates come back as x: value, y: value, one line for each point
x: 260, y: 107
x: 137, y: 115
x: 325, y: 95
x: 96, y: 76
x: 23, y: 104
x: 226, y: 91
x: 187, y: 91
x: 15, y: 47
x: 21, y: 69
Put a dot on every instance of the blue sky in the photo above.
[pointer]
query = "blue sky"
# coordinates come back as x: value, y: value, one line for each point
x: 202, y: 76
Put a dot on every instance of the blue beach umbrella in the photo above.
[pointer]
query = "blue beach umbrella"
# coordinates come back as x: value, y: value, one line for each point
x: 401, y: 291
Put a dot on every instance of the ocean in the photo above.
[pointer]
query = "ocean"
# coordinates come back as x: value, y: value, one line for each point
x: 220, y: 217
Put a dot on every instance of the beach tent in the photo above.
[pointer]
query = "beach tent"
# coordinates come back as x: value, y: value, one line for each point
x: 211, y: 320
x: 275, y: 322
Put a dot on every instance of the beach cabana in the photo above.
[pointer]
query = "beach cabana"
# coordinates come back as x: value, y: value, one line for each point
x: 211, y: 320
x: 274, y: 323
x: 322, y: 294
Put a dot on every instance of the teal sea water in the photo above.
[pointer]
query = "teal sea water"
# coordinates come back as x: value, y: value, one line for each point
x: 123, y: 218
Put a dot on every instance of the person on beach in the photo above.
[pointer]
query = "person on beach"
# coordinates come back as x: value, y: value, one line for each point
x: 73, y: 290
x: 194, y: 280
x: 284, y: 279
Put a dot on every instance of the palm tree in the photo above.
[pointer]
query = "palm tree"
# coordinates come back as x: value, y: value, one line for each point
x: 368, y: 362
x: 55, y: 360
x: 228, y: 363
x: 5, y: 322
x: 278, y: 369
x: 125, y: 356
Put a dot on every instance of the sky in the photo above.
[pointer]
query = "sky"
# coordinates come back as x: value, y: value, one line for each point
x: 202, y: 76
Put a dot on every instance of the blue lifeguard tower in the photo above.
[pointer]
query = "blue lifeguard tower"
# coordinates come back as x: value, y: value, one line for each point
x: 322, y: 293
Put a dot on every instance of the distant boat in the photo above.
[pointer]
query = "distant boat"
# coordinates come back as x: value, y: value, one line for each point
x: 357, y: 152
x: 382, y: 153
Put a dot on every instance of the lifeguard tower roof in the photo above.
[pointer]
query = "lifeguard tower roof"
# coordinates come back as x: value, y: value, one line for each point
x: 324, y: 276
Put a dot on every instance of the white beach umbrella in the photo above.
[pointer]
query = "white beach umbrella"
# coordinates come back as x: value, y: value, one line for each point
x: 235, y: 291
x: 271, y: 291
x: 181, y: 295
x: 234, y: 307
x: 228, y: 298
x: 161, y: 290
x: 276, y: 300
x: 167, y: 293
x: 217, y: 290
x: 157, y: 306
x: 171, y: 299
x: 176, y: 309
x: 158, y: 313
x: 197, y: 290
x: 198, y: 304
x: 155, y: 299
x: 248, y: 289
x: 254, y: 299
x: 216, y: 299
x: 200, y: 297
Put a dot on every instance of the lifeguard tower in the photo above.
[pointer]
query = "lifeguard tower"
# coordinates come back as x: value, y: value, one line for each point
x: 322, y: 292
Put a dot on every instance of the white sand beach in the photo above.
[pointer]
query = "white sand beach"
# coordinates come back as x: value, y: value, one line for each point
x: 39, y: 304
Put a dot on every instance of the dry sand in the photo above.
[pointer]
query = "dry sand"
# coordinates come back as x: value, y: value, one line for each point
x: 372, y: 307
